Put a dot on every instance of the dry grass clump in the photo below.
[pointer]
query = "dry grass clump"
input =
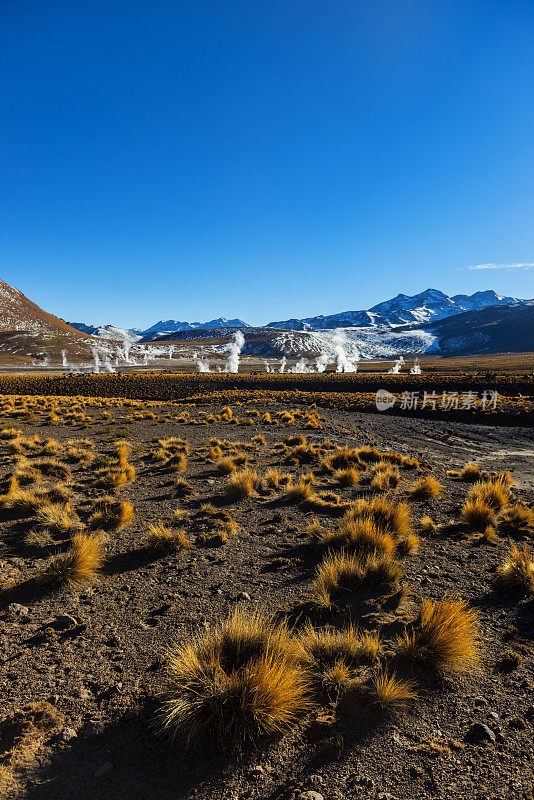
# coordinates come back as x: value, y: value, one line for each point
x: 355, y: 535
x: 226, y: 465
x: 274, y: 478
x: 408, y: 462
x: 333, y: 657
x: 25, y: 475
x: 108, y: 513
x: 384, y: 476
x: 477, y: 513
x: 343, y: 458
x: 10, y: 433
x: 183, y: 488
x: 161, y: 537
x: 444, y: 636
x: 425, y: 489
x: 494, y: 492
x: 300, y: 491
x: 52, y: 468
x: 59, y: 493
x: 343, y: 579
x: 177, y: 462
x: 427, y: 525
x: 79, y: 565
x: 392, y: 693
x: 232, y: 682
x: 51, y: 447
x: 112, y: 478
x: 57, y: 519
x: 369, y: 454
x: 470, y: 473
x: 305, y: 454
x: 389, y: 515
x: 241, y: 484
x: 21, y: 501
x: 517, y: 517
x: 516, y: 572
x: 347, y: 477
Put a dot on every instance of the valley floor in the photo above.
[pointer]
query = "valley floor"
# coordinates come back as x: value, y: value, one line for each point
x: 81, y: 671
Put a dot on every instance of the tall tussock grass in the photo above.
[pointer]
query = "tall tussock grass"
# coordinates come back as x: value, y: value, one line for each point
x: 343, y: 579
x: 233, y: 682
x: 241, y: 484
x: 334, y: 657
x: 392, y: 693
x: 445, y: 635
x: 79, y: 565
x: 516, y: 571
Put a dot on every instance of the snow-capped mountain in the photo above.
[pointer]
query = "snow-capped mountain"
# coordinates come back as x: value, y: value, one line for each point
x: 106, y: 332
x: 427, y: 306
x: 172, y: 325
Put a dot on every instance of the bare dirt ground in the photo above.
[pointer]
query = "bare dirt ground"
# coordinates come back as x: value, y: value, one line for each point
x: 92, y: 661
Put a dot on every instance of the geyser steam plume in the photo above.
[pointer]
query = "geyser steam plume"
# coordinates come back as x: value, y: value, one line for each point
x: 203, y: 366
x: 234, y: 348
x: 344, y: 364
x: 416, y: 369
x: 301, y: 366
x: 126, y: 345
x: 282, y: 364
x: 322, y: 362
x: 64, y: 358
x: 96, y: 360
x: 396, y: 368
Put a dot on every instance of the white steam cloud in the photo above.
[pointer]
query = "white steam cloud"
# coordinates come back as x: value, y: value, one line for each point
x: 344, y: 364
x: 234, y: 348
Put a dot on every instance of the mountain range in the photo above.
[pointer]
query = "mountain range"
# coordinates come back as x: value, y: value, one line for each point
x: 428, y: 306
x: 403, y: 309
x: 428, y: 322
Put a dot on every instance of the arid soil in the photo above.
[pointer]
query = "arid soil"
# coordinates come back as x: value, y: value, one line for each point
x: 81, y: 671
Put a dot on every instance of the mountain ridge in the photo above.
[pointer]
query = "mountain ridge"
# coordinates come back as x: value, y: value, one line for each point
x: 427, y: 306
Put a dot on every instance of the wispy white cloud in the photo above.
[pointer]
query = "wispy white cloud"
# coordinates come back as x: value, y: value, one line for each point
x: 526, y: 265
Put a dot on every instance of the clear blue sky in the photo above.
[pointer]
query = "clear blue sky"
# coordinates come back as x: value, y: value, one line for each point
x: 263, y: 158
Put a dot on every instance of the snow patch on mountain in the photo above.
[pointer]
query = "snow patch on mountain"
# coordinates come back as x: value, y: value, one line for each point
x: 428, y: 306
x: 106, y: 332
x: 173, y: 325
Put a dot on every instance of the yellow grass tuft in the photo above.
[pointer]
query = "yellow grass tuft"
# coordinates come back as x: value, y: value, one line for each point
x: 516, y: 572
x: 356, y: 535
x: 108, y: 512
x: 390, y: 516
x: 21, y: 501
x: 57, y: 519
x: 444, y: 636
x: 477, y: 513
x: 232, y: 682
x: 160, y: 536
x: 517, y: 517
x: 347, y: 477
x: 241, y: 484
x: 392, y: 693
x: 427, y: 525
x: 425, y: 488
x: 300, y: 491
x: 332, y: 657
x: 343, y: 579
x: 225, y: 465
x: 470, y: 473
x: 79, y: 565
x: 494, y: 492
